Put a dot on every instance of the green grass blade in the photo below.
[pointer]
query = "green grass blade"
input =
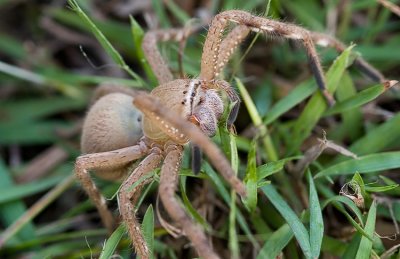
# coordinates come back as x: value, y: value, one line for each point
x: 378, y: 138
x: 381, y: 188
x: 352, y: 120
x: 233, y: 238
x: 30, y: 109
x: 349, y: 203
x: 37, y: 132
x: 108, y: 47
x: 275, y: 244
x: 192, y: 210
x: 177, y: 11
x: 299, y: 230
x: 112, y: 242
x: 255, y: 117
x: 316, y: 220
x: 365, y: 248
x: 137, y: 35
x: 20, y: 191
x: 148, y: 229
x: 296, y: 96
x: 251, y: 179
x: 38, y: 79
x: 364, y: 164
x: 159, y: 9
x: 227, y: 199
x: 272, y: 167
x: 13, y: 210
x: 357, y: 100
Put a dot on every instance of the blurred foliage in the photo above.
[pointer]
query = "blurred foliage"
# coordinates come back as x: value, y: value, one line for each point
x: 52, y: 58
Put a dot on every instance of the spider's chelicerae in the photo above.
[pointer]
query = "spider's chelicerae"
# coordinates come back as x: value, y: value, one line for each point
x: 174, y: 113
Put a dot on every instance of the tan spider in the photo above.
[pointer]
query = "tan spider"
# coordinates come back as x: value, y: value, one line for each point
x: 176, y: 112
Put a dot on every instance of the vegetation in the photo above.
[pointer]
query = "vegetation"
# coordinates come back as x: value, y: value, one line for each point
x: 321, y: 181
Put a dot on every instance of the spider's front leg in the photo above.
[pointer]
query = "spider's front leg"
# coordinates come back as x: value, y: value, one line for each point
x: 105, y: 161
x: 129, y: 195
x: 212, y: 45
x: 168, y: 183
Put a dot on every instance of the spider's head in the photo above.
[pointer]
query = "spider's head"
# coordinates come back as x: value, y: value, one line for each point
x: 206, y: 109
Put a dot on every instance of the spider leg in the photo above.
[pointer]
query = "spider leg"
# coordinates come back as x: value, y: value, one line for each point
x: 229, y: 45
x: 181, y: 130
x: 366, y: 68
x: 168, y: 183
x: 104, y: 160
x: 212, y: 45
x: 157, y: 62
x: 129, y: 195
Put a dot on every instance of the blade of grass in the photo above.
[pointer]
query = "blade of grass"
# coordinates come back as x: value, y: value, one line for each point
x: 112, y: 242
x: 365, y: 249
x: 272, y: 167
x: 352, y: 121
x: 364, y: 164
x: 190, y: 209
x: 177, y: 11
x: 148, y: 229
x: 255, y: 117
x: 220, y: 187
x: 251, y: 179
x: 357, y: 100
x: 296, y: 96
x: 37, y: 132
x: 316, y: 220
x: 233, y: 238
x: 12, y: 210
x: 108, y: 47
x: 39, y: 80
x: 24, y: 110
x: 13, y: 193
x: 275, y: 244
x: 299, y: 230
x: 35, y: 209
x: 378, y: 138
x: 137, y: 35
x: 161, y: 14
x: 349, y: 203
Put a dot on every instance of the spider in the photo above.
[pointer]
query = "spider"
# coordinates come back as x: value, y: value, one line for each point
x: 176, y: 112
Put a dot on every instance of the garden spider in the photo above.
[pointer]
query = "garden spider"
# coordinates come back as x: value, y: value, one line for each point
x: 174, y: 113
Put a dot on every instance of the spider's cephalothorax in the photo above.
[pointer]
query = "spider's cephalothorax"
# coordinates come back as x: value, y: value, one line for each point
x: 174, y: 113
x: 192, y: 100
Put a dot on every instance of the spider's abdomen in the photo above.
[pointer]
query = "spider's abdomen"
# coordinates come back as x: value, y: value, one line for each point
x: 111, y: 123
